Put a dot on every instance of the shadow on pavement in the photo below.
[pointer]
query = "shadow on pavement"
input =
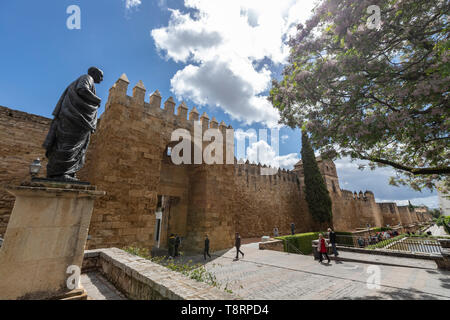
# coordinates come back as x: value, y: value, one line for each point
x: 399, y: 294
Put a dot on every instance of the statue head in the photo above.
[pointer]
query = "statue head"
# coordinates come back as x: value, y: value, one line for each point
x: 96, y: 74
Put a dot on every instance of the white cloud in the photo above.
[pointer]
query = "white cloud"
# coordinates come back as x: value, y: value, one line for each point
x: 377, y: 181
x: 162, y: 3
x: 130, y: 4
x: 241, y: 135
x: 262, y: 152
x: 431, y: 202
x: 226, y: 46
x: 284, y: 138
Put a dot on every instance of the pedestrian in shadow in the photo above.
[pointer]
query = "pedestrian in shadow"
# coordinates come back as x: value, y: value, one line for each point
x: 238, y: 246
x: 177, y: 245
x: 206, y: 251
x: 171, y: 244
x: 322, y: 248
x: 275, y: 232
x: 292, y: 228
x: 332, y: 237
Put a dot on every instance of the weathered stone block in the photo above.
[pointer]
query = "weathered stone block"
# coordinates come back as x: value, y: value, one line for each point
x: 47, y: 234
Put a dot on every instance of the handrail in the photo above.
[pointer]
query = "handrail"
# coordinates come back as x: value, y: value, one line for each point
x: 295, y: 248
x: 401, y: 242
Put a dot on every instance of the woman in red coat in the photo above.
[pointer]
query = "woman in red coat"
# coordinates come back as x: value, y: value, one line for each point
x: 322, y: 248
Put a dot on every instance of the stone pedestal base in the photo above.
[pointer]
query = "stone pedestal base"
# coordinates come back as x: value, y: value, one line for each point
x: 46, y: 234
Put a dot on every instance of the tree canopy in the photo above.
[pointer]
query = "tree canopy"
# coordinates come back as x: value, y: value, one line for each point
x: 376, y: 94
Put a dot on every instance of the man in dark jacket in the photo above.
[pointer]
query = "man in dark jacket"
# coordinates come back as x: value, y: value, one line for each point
x: 171, y: 245
x: 206, y: 250
x: 238, y: 246
x: 292, y: 228
x: 177, y: 245
x: 332, y: 237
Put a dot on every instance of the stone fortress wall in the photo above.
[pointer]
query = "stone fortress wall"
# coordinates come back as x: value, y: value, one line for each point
x: 148, y: 197
x: 263, y: 202
x: 21, y: 137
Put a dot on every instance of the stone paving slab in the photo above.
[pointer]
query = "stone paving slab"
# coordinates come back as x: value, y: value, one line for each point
x: 265, y: 274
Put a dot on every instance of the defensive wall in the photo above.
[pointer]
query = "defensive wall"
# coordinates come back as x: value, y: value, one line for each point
x: 148, y: 197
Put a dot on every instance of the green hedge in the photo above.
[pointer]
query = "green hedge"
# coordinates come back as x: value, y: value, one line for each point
x: 445, y: 222
x: 381, y: 229
x: 344, y: 241
x: 303, y: 241
x: 424, y: 235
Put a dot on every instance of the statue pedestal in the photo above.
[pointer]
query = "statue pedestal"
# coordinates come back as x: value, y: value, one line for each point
x: 46, y: 234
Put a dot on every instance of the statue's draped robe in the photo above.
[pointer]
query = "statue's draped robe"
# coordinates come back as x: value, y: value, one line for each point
x: 75, y: 119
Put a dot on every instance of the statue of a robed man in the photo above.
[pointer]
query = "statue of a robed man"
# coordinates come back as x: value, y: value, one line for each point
x: 75, y: 119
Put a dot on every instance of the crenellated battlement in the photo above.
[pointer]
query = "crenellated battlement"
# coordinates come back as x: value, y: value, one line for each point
x: 246, y: 169
x: 349, y: 195
x: 167, y: 110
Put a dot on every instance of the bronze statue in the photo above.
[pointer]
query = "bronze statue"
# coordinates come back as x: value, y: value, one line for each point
x: 75, y: 119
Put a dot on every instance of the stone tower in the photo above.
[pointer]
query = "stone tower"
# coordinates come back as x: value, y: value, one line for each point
x: 328, y: 170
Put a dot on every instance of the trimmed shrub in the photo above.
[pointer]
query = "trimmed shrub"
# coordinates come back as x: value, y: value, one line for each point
x: 381, y: 229
x: 303, y: 241
x: 344, y: 239
x: 445, y: 222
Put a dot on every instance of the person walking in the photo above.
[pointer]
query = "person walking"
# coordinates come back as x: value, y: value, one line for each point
x: 171, y: 245
x: 177, y: 244
x: 292, y: 228
x: 322, y: 248
x: 275, y: 232
x: 206, y: 250
x: 238, y: 246
x: 361, y: 242
x: 332, y: 237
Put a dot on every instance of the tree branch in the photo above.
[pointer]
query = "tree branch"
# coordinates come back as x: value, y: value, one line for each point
x: 415, y: 171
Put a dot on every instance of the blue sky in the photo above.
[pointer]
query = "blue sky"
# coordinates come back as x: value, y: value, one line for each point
x: 216, y: 55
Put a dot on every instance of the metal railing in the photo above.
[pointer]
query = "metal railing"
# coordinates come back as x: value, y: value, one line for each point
x: 398, y: 243
x: 414, y: 245
x: 290, y: 245
x: 360, y: 241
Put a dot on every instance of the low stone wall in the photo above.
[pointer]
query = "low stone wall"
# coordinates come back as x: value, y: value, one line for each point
x: 275, y: 245
x: 141, y: 279
x: 444, y: 263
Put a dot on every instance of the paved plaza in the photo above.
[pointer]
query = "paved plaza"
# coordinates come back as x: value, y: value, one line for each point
x: 265, y: 274
x: 273, y: 275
